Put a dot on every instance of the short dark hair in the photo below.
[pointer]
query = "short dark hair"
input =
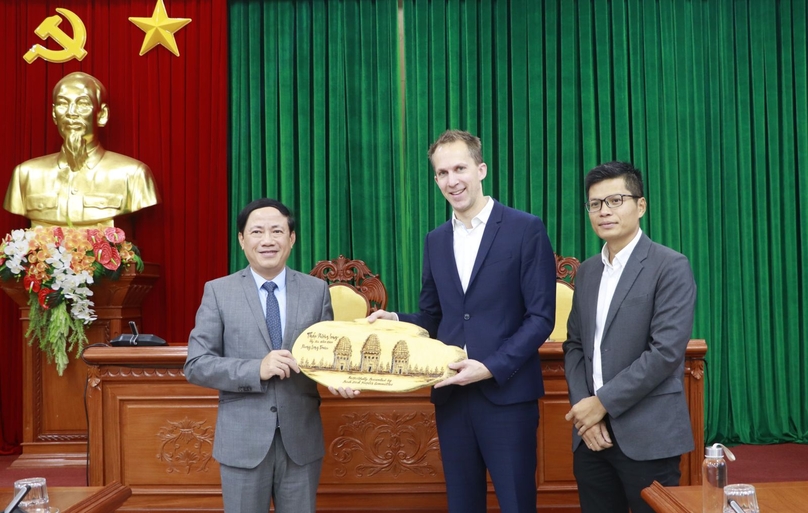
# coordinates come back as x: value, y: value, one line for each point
x: 473, y: 143
x: 630, y: 174
x: 241, y: 220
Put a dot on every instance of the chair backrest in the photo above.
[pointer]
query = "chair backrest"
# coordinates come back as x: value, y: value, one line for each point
x: 355, y: 291
x: 566, y: 268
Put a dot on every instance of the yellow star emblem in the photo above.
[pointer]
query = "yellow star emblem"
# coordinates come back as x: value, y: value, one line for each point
x: 160, y: 29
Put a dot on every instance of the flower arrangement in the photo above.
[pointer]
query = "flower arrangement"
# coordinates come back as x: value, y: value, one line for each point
x: 57, y: 266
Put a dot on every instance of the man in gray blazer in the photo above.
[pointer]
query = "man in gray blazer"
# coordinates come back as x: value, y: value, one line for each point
x: 631, y: 320
x: 269, y: 436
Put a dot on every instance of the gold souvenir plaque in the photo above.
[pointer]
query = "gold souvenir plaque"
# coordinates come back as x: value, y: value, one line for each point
x: 386, y: 356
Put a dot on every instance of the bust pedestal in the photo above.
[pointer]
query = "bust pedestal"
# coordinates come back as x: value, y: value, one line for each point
x: 54, y: 420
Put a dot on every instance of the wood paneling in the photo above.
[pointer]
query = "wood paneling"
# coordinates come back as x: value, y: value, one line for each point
x: 54, y: 423
x: 153, y: 431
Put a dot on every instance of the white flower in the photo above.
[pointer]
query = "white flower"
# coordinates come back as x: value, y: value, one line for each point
x: 16, y: 251
x: 15, y: 265
x: 21, y: 235
x: 88, y: 279
x: 60, y: 259
x: 82, y: 309
x: 74, y: 287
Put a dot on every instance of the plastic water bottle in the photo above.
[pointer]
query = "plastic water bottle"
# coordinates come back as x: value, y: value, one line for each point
x: 714, y: 478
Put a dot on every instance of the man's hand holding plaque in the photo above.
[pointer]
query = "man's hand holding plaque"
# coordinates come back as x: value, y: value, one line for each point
x: 386, y: 356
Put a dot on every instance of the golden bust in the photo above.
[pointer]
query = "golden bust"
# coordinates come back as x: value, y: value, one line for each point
x: 83, y: 184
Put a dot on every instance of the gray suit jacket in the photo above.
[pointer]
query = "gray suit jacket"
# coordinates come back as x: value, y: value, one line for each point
x: 225, y: 350
x: 647, y: 329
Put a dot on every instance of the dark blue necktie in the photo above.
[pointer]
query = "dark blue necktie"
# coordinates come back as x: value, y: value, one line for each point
x: 273, y: 315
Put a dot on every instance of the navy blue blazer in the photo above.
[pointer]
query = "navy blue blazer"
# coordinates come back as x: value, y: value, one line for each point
x: 508, y: 310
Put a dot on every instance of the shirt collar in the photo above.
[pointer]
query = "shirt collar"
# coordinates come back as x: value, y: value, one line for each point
x: 481, y: 218
x: 623, y: 255
x: 280, y: 279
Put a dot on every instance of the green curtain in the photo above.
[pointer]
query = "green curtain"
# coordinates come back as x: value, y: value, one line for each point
x: 707, y: 97
x: 316, y: 123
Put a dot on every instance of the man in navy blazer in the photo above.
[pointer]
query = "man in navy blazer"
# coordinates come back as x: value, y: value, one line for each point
x: 488, y: 286
x: 631, y: 320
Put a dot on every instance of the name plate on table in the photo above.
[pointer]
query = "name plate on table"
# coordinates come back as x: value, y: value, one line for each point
x: 386, y: 356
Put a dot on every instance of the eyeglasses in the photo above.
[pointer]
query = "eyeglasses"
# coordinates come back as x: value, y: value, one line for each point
x: 613, y: 201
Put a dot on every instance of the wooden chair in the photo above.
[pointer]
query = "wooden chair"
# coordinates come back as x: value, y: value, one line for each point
x: 566, y: 268
x: 355, y: 291
x: 106, y: 500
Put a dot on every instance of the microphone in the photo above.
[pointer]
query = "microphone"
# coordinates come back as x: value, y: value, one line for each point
x: 136, y: 339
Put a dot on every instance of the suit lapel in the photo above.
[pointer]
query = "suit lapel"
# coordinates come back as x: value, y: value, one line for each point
x: 292, y: 306
x: 633, y: 269
x: 254, y: 303
x: 445, y: 250
x: 490, y: 233
x: 589, y: 302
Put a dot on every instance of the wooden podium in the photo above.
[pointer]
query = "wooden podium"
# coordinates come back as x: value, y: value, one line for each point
x: 153, y: 431
x: 54, y: 419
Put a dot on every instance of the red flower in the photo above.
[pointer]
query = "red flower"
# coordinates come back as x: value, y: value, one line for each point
x: 103, y: 251
x: 107, y: 255
x: 43, y: 297
x: 114, y: 235
x: 31, y: 283
x: 59, y: 235
x: 94, y: 236
x: 115, y: 260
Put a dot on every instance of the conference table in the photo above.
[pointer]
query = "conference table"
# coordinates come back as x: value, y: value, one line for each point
x: 787, y: 497
x: 61, y: 497
x: 80, y: 499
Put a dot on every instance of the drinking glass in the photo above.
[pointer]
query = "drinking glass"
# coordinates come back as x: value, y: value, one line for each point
x: 742, y: 495
x: 36, y: 500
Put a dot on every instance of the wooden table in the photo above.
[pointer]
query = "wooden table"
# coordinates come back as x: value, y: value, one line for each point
x: 153, y: 431
x: 83, y: 499
x: 60, y: 497
x: 791, y: 497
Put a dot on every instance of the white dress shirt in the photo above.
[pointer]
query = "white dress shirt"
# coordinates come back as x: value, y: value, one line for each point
x: 467, y: 241
x: 612, y: 271
x: 280, y: 294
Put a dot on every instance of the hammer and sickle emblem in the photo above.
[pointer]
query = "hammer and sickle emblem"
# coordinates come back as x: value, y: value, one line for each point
x: 72, y: 47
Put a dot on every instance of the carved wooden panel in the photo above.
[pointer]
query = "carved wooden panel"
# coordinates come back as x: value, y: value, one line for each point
x: 186, y: 446
x: 694, y: 389
x: 54, y: 423
x: 355, y: 274
x: 58, y: 416
x: 380, y: 439
x: 158, y: 435
x: 566, y: 269
x: 152, y: 431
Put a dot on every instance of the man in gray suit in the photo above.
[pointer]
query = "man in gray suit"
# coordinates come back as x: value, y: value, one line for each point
x: 631, y: 320
x: 269, y: 436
